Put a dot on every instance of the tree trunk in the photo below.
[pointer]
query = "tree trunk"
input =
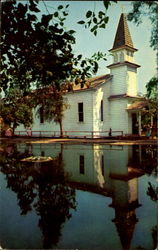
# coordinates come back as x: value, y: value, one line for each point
x: 61, y: 155
x: 13, y: 128
x: 61, y: 128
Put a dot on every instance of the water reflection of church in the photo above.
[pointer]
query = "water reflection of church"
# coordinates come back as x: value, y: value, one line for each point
x: 106, y: 170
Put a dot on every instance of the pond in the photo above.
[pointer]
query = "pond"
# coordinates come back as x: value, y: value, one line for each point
x: 89, y: 196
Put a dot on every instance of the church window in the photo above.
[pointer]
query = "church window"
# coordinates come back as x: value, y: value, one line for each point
x: 102, y: 164
x: 41, y: 112
x: 115, y: 58
x: 81, y: 164
x: 121, y: 57
x: 101, y: 110
x: 80, y: 112
x: 42, y: 153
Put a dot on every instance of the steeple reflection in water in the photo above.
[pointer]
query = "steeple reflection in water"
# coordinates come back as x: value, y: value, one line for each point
x: 50, y: 190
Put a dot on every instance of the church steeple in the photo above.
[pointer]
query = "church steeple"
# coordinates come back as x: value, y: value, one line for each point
x: 123, y: 37
x: 123, y: 48
x: 123, y: 68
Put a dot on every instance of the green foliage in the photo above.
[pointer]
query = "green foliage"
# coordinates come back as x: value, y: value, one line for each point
x: 95, y: 21
x: 152, y: 96
x: 41, y: 50
x: 150, y: 9
x: 39, y: 53
x: 34, y: 51
x: 86, y: 67
x: 53, y: 105
x: 16, y: 110
x: 51, y: 100
x: 152, y: 88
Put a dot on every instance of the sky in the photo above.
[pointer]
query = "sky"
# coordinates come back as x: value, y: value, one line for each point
x: 87, y: 44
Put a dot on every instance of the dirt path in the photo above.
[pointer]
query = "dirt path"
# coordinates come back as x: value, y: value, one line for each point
x: 80, y: 141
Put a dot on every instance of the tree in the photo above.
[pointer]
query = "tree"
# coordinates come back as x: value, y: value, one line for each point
x: 52, y: 102
x: 152, y: 101
x: 152, y: 88
x: 16, y: 110
x: 95, y: 21
x: 23, y: 37
x: 40, y: 53
x: 150, y: 9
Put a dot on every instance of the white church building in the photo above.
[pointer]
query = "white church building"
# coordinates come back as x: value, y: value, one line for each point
x: 106, y: 103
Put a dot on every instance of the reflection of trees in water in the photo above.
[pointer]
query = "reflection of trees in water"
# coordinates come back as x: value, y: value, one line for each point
x: 145, y: 157
x: 152, y: 192
x: 154, y: 233
x: 149, y: 164
x: 154, y: 236
x: 149, y: 160
x: 41, y: 187
x: 53, y: 211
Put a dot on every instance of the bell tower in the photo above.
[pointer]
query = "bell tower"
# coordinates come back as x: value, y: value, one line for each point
x: 123, y: 68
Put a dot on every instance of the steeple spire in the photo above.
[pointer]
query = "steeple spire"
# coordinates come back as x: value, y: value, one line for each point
x: 123, y: 37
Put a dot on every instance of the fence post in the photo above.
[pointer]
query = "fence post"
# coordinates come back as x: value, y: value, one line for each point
x: 110, y: 132
x: 92, y: 134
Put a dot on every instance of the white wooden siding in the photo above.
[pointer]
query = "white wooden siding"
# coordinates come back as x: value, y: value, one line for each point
x: 107, y: 114
x: 131, y: 82
x: 97, y: 97
x: 70, y: 121
x: 119, y: 117
x: 37, y: 126
x: 102, y: 93
x: 119, y: 82
x: 115, y: 115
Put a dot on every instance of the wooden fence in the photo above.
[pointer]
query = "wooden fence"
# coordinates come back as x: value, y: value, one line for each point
x: 70, y: 134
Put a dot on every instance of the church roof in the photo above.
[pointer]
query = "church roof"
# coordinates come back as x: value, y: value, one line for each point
x: 132, y: 173
x: 138, y: 105
x: 130, y: 64
x: 92, y: 83
x: 125, y: 228
x: 123, y: 37
x: 121, y: 96
x: 125, y: 220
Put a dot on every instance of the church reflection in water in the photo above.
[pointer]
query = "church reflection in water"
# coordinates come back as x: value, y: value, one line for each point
x: 50, y: 188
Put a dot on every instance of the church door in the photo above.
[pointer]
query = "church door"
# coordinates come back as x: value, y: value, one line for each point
x: 134, y: 124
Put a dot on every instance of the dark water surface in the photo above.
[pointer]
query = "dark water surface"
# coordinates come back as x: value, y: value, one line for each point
x: 87, y: 197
